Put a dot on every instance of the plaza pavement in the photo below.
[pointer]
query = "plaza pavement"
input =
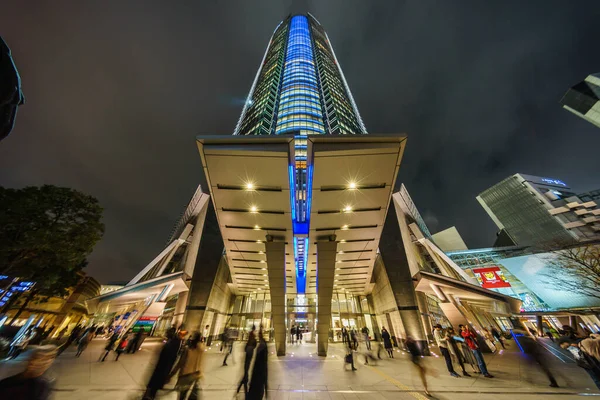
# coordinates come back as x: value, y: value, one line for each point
x: 303, y: 375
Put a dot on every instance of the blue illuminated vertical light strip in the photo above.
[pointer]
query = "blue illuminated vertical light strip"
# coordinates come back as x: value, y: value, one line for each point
x: 300, y: 113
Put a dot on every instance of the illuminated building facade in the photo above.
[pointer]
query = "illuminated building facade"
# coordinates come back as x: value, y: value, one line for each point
x: 536, y: 210
x: 299, y: 221
x: 583, y: 99
x: 300, y: 90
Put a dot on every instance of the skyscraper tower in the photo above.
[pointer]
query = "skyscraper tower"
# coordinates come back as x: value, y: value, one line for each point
x: 300, y: 89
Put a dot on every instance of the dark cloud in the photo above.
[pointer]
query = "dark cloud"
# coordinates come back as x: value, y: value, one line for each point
x: 117, y: 91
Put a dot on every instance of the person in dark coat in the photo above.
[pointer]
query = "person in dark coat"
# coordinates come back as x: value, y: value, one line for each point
x: 259, y: 381
x: 387, y: 342
x: 72, y: 337
x: 164, y: 365
x: 535, y: 356
x: 250, y: 346
x: 110, y: 345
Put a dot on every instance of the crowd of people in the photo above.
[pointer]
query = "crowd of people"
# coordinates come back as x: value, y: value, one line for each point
x: 182, y: 354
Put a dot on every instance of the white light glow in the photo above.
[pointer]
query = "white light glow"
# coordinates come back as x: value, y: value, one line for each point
x: 352, y: 185
x: 249, y: 186
x: 253, y: 209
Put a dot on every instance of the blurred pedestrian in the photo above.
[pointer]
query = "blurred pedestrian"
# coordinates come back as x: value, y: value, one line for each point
x: 535, y: 357
x: 122, y: 346
x: 84, y: 341
x: 387, y: 342
x: 344, y: 334
x: 189, y: 367
x: 249, y: 350
x: 579, y: 350
x: 136, y: 341
x: 417, y: 360
x: 454, y: 347
x: 259, y: 381
x: 293, y: 333
x: 164, y: 365
x: 72, y: 337
x: 471, y: 341
x: 227, y: 344
x: 31, y: 384
x: 110, y: 345
x: 349, y: 358
x: 354, y: 339
x: 365, y: 332
x: 498, y: 337
x: 442, y: 342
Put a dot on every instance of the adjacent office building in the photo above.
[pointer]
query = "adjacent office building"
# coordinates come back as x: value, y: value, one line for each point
x: 538, y: 211
x: 583, y: 99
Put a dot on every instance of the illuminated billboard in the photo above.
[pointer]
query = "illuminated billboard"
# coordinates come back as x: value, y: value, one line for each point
x: 491, y: 277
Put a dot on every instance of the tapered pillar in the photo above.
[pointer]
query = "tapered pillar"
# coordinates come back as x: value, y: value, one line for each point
x: 276, y: 267
x: 539, y: 325
x: 393, y: 254
x: 326, y: 253
x: 206, y: 261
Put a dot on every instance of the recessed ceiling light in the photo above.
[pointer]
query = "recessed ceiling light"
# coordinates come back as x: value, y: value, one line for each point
x: 253, y: 209
x: 352, y: 185
x: 249, y: 186
x: 342, y: 241
x: 256, y: 227
x: 345, y: 227
x: 347, y: 209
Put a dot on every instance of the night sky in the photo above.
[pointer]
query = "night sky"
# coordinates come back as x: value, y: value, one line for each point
x: 116, y: 92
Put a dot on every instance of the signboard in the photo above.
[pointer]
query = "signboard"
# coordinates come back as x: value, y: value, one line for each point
x: 15, y: 287
x: 554, y: 181
x: 491, y: 277
x: 144, y: 324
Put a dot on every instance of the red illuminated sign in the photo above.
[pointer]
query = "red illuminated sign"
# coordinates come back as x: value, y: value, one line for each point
x: 491, y: 277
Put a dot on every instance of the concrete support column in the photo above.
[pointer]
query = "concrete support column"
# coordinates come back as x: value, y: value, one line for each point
x: 538, y: 322
x: 275, y: 252
x: 424, y: 311
x: 326, y: 254
x: 393, y: 254
x: 202, y: 262
x: 182, y: 299
x: 573, y: 322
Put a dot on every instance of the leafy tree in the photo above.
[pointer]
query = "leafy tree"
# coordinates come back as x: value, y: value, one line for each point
x: 575, y: 268
x: 46, y: 233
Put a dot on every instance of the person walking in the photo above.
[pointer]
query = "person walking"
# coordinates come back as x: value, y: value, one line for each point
x: 250, y: 346
x: 122, y: 346
x: 293, y: 333
x: 205, y: 334
x: 227, y: 344
x: 189, y: 368
x: 471, y: 341
x: 535, y: 357
x: 110, y: 345
x: 354, y: 339
x: 442, y: 343
x: 298, y: 334
x: 349, y: 358
x: 387, y: 342
x: 455, y: 350
x: 166, y: 360
x: 72, y: 337
x: 259, y: 381
x: 365, y: 332
x: 135, y: 342
x: 498, y: 337
x: 344, y: 334
x: 84, y: 341
x: 417, y: 360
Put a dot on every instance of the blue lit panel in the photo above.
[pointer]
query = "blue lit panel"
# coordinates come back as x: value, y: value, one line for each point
x: 300, y: 112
